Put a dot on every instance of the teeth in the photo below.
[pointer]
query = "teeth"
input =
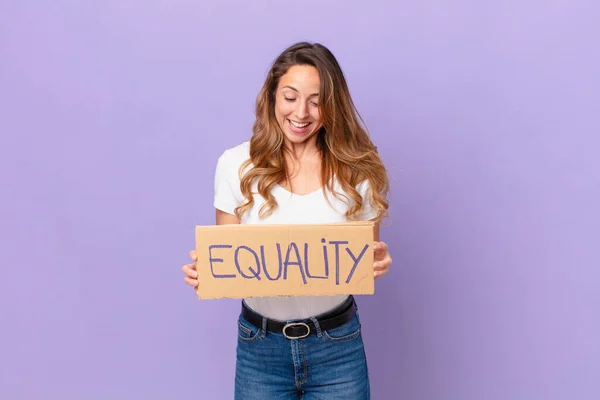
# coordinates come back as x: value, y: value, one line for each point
x: 297, y: 125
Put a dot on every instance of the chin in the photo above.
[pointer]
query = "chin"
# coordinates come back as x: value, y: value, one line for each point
x: 295, y: 138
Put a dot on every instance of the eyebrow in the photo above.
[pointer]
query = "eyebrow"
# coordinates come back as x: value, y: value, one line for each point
x: 296, y: 90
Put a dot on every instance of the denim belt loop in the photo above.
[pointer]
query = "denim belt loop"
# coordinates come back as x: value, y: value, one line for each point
x: 356, y: 308
x: 264, y: 328
x: 317, y: 326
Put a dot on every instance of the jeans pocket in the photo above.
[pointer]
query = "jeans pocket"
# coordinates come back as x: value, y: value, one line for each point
x: 247, y: 332
x: 344, y: 333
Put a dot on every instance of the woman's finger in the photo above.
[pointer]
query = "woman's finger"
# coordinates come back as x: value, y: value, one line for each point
x: 381, y: 246
x: 381, y: 249
x: 385, y: 263
x: 378, y: 266
x: 190, y: 281
x: 379, y: 274
x: 193, y: 255
x: 190, y: 270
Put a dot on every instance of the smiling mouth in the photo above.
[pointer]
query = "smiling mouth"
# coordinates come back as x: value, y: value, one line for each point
x: 299, y: 125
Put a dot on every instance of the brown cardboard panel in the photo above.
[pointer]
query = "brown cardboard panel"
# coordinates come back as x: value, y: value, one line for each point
x: 241, y: 261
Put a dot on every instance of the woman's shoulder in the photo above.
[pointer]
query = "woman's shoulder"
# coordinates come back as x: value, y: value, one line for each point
x: 235, y: 156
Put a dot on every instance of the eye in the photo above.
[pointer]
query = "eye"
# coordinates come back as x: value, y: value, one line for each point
x: 314, y: 103
x: 288, y: 99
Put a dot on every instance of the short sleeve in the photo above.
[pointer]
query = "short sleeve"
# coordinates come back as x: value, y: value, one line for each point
x: 227, y: 185
x: 368, y: 212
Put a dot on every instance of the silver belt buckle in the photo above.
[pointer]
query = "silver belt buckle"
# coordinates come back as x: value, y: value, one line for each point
x: 295, y: 324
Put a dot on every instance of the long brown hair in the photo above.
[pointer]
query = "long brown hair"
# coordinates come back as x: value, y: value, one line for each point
x: 345, y: 147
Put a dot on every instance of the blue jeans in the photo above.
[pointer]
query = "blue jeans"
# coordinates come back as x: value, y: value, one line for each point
x: 328, y: 365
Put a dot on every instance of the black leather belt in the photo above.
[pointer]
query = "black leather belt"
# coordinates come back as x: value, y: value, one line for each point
x: 302, y: 328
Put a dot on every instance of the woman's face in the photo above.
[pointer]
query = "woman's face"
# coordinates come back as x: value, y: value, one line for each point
x: 297, y: 103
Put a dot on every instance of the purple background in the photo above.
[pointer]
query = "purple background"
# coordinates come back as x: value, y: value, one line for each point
x: 113, y: 115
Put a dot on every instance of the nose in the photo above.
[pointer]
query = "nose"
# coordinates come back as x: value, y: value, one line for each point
x: 302, y: 110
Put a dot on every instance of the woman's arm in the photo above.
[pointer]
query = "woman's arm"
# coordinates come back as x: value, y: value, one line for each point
x: 223, y: 218
x: 376, y: 231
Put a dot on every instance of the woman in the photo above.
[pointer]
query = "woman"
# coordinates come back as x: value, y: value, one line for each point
x: 308, y: 161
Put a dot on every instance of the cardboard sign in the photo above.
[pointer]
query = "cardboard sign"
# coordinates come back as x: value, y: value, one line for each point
x: 241, y: 261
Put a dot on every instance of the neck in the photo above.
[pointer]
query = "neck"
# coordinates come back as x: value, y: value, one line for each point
x: 304, y: 150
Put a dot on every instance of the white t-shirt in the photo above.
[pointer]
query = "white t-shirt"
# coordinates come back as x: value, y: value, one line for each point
x: 291, y: 209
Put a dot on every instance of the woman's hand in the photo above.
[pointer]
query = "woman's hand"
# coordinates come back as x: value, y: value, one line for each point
x: 383, y: 260
x: 191, y: 275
